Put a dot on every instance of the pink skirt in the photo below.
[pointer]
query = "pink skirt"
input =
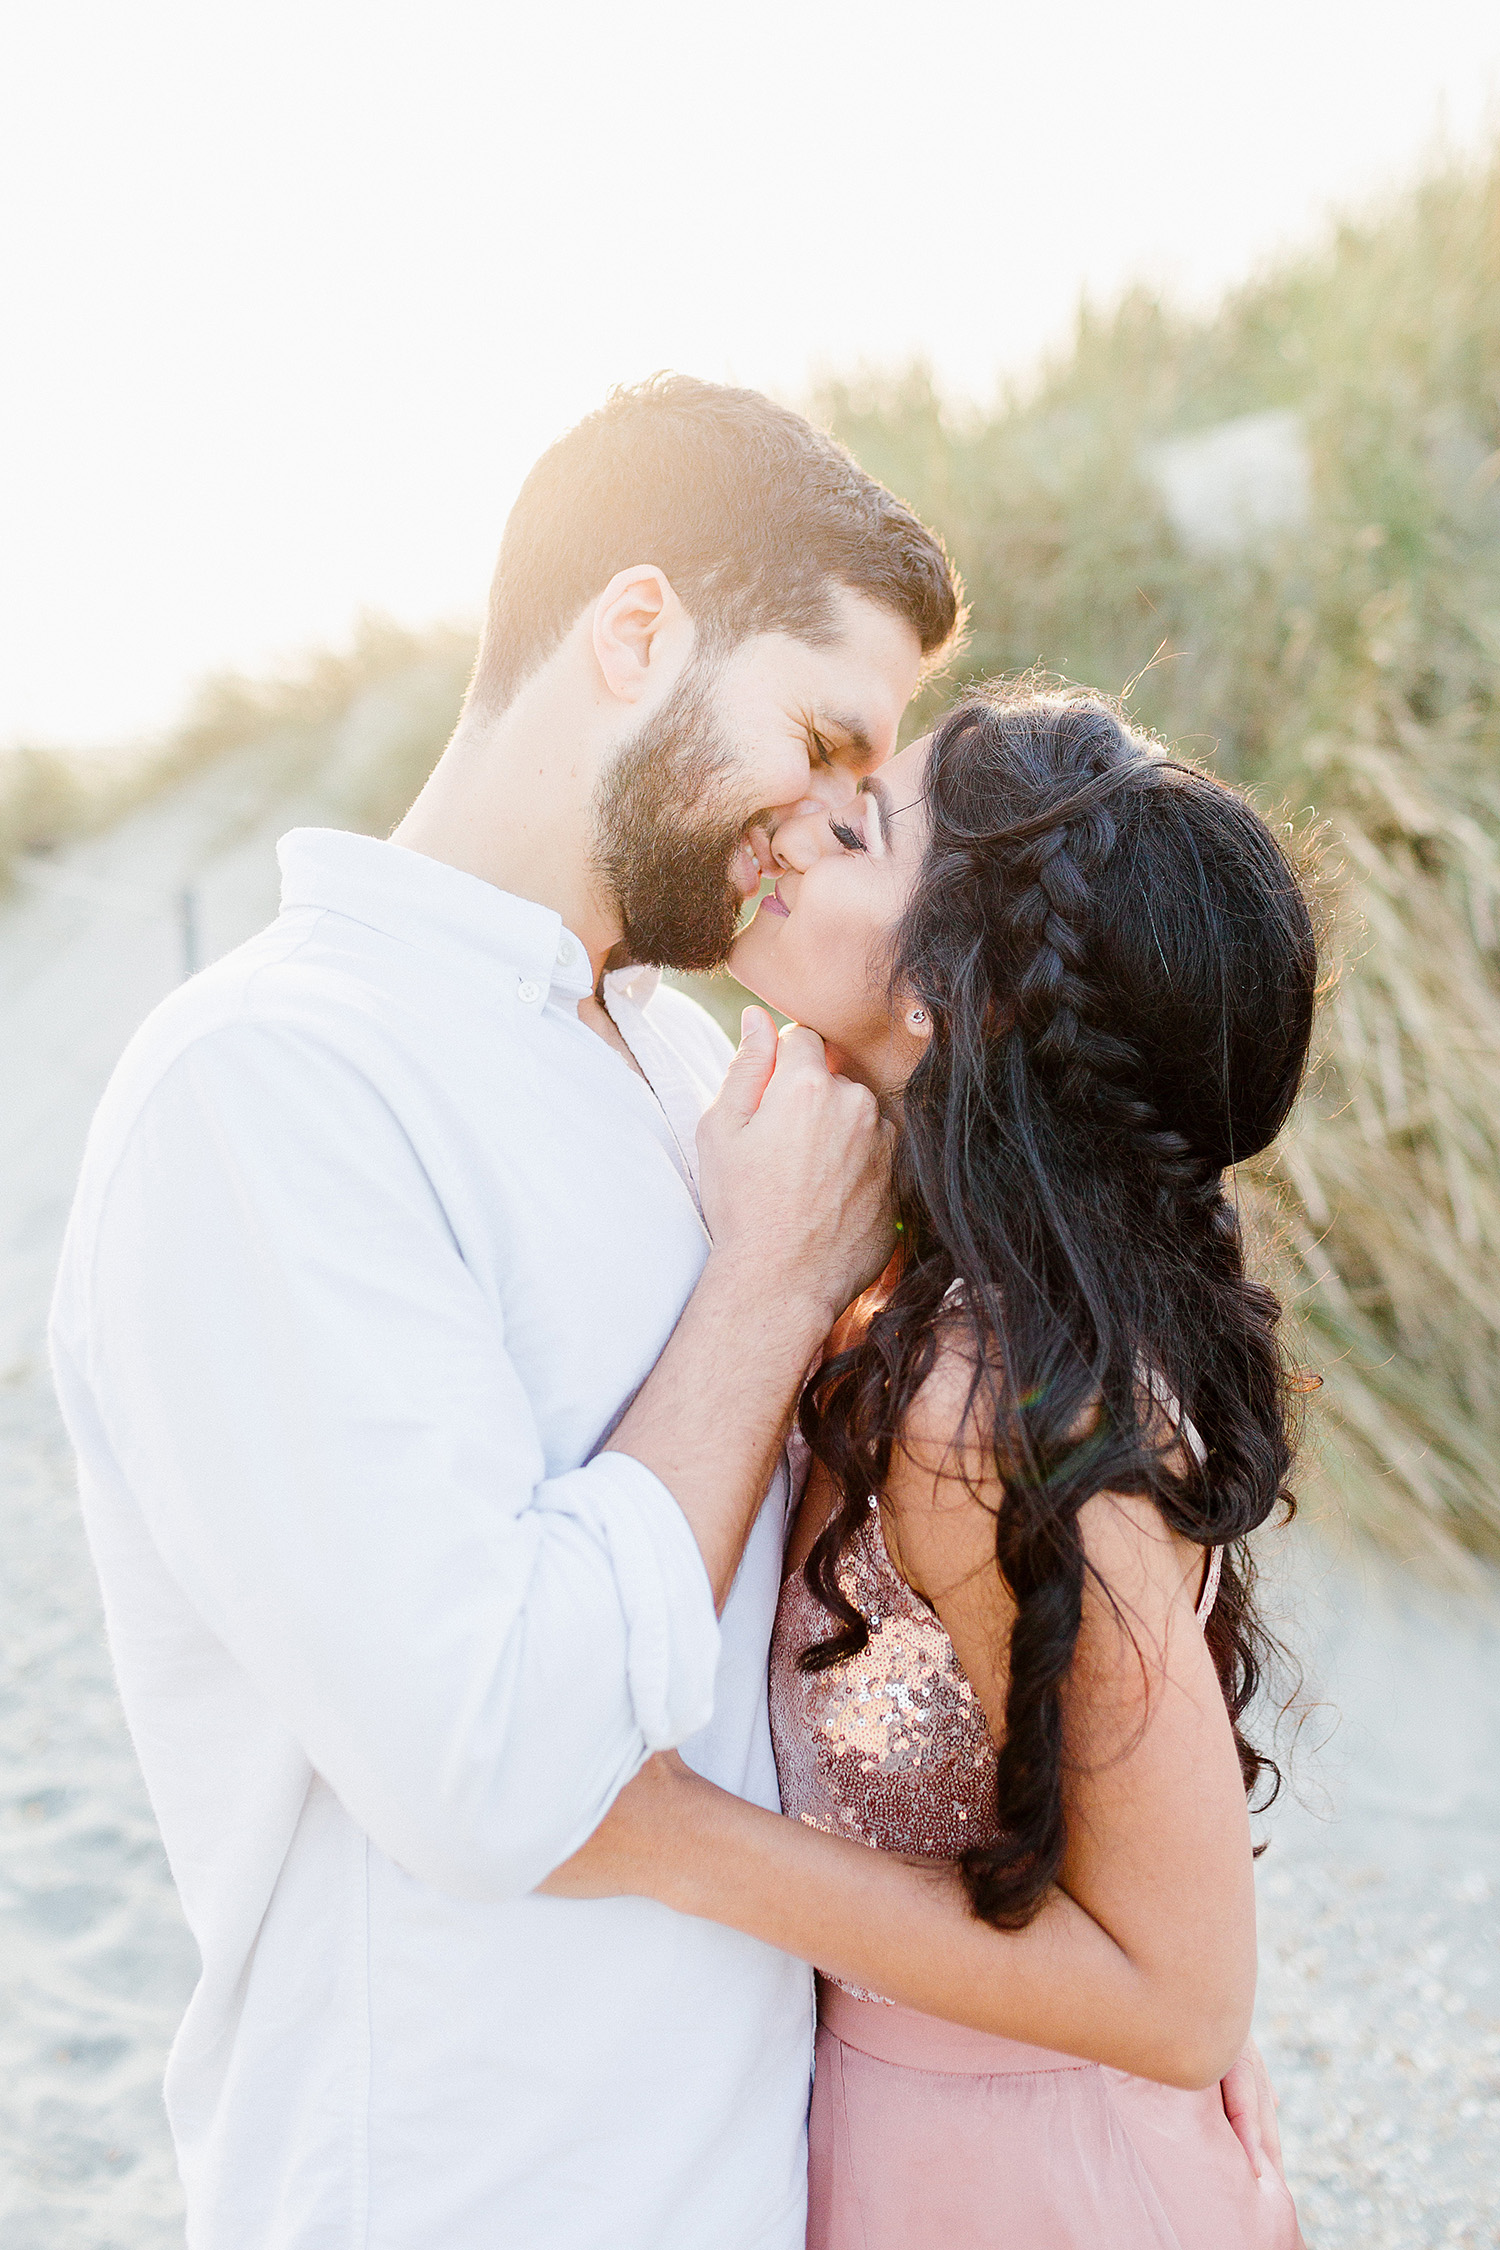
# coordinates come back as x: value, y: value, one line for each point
x: 926, y: 2136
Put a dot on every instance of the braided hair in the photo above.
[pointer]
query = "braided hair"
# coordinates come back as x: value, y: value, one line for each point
x: 1120, y: 966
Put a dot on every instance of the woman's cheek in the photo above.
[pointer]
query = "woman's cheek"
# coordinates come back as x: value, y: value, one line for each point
x: 834, y: 966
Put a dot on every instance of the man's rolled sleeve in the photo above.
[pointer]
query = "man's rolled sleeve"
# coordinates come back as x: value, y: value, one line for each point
x: 310, y: 1398
x: 672, y: 1631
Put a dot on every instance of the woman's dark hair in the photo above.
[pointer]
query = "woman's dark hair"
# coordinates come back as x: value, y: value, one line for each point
x: 1120, y: 966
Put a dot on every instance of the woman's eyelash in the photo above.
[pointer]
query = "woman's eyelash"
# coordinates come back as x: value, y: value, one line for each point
x: 849, y: 837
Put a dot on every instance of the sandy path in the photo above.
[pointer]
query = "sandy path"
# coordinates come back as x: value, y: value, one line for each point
x: 1379, y: 1911
x: 1381, y: 1979
x: 95, y: 1961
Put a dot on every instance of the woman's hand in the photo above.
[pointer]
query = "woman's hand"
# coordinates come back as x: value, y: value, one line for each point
x: 639, y: 1846
x: 1250, y: 2106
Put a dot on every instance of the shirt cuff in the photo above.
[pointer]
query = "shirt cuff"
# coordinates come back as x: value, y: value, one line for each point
x: 672, y: 1630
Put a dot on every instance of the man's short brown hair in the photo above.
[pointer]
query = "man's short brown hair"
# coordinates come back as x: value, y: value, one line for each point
x: 753, y: 515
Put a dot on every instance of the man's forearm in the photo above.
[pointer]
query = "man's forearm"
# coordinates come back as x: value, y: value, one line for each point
x: 711, y: 1417
x: 795, y: 1184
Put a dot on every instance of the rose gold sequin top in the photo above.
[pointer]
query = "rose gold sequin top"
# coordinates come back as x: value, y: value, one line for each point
x: 890, y: 1747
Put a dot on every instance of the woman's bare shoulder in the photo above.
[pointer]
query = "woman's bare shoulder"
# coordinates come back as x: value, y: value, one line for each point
x: 1141, y: 1571
x: 944, y: 1487
x: 947, y: 1484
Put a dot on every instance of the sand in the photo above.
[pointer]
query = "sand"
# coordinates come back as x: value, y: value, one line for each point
x: 1379, y: 2004
x: 1380, y: 1895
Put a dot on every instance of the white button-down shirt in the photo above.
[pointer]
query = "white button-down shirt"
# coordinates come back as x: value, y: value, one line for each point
x: 374, y: 1242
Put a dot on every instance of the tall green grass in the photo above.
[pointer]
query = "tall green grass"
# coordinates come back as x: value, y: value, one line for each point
x: 1346, y: 672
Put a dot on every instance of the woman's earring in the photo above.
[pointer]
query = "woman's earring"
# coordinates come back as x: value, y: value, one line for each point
x: 917, y: 1018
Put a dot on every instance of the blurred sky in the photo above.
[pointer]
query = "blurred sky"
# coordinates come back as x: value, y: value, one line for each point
x: 294, y: 293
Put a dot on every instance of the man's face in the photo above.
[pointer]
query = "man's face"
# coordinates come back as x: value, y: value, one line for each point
x: 684, y: 815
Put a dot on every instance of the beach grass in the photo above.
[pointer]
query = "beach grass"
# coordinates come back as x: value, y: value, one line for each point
x: 300, y: 718
x: 1343, y: 665
x: 1341, y: 662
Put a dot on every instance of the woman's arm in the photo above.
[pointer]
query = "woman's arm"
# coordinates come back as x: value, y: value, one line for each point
x: 1158, y: 1852
x: 898, y: 1926
x: 1144, y: 1956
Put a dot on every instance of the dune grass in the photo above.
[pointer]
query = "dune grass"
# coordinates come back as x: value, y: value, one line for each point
x: 302, y: 719
x: 1345, y: 672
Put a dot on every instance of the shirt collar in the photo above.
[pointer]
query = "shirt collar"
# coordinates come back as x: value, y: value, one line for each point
x: 424, y: 902
x: 636, y: 983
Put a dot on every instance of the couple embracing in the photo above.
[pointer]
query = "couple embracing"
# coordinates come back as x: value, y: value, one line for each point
x: 595, y: 1528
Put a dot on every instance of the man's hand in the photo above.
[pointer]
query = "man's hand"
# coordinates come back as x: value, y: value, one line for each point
x: 796, y: 1171
x: 1250, y: 2106
x: 796, y: 1189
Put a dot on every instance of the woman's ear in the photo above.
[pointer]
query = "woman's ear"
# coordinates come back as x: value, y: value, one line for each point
x: 642, y: 636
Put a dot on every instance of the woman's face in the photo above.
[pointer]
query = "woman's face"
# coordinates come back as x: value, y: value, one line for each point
x: 819, y: 949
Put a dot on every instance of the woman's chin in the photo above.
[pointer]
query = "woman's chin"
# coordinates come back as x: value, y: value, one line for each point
x: 746, y: 970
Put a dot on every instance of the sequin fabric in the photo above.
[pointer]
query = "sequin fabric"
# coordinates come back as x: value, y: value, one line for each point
x: 889, y: 1747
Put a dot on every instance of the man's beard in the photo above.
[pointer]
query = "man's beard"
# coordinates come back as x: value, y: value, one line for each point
x: 664, y: 835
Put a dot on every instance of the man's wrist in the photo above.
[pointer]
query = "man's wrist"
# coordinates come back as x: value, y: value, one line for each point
x: 801, y: 1312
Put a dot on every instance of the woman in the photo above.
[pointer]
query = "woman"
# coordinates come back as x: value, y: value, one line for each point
x: 1017, y: 1633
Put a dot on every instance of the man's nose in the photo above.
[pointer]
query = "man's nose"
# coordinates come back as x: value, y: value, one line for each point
x: 830, y: 789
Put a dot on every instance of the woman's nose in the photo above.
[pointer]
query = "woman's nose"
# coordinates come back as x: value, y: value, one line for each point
x: 802, y: 839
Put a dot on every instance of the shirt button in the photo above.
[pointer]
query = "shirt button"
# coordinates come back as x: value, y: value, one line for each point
x: 565, y: 952
x: 528, y: 993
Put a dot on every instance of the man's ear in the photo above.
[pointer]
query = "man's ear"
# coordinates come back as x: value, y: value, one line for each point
x: 642, y: 635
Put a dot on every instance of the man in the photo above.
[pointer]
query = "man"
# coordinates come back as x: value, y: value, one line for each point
x: 426, y: 1397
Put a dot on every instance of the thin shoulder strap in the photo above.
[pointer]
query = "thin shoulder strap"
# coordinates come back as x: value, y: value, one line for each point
x: 1211, y: 1572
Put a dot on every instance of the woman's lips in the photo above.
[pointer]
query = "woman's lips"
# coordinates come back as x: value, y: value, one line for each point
x: 771, y: 904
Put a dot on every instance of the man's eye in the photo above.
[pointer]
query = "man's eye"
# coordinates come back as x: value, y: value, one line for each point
x: 818, y: 749
x: 849, y: 837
